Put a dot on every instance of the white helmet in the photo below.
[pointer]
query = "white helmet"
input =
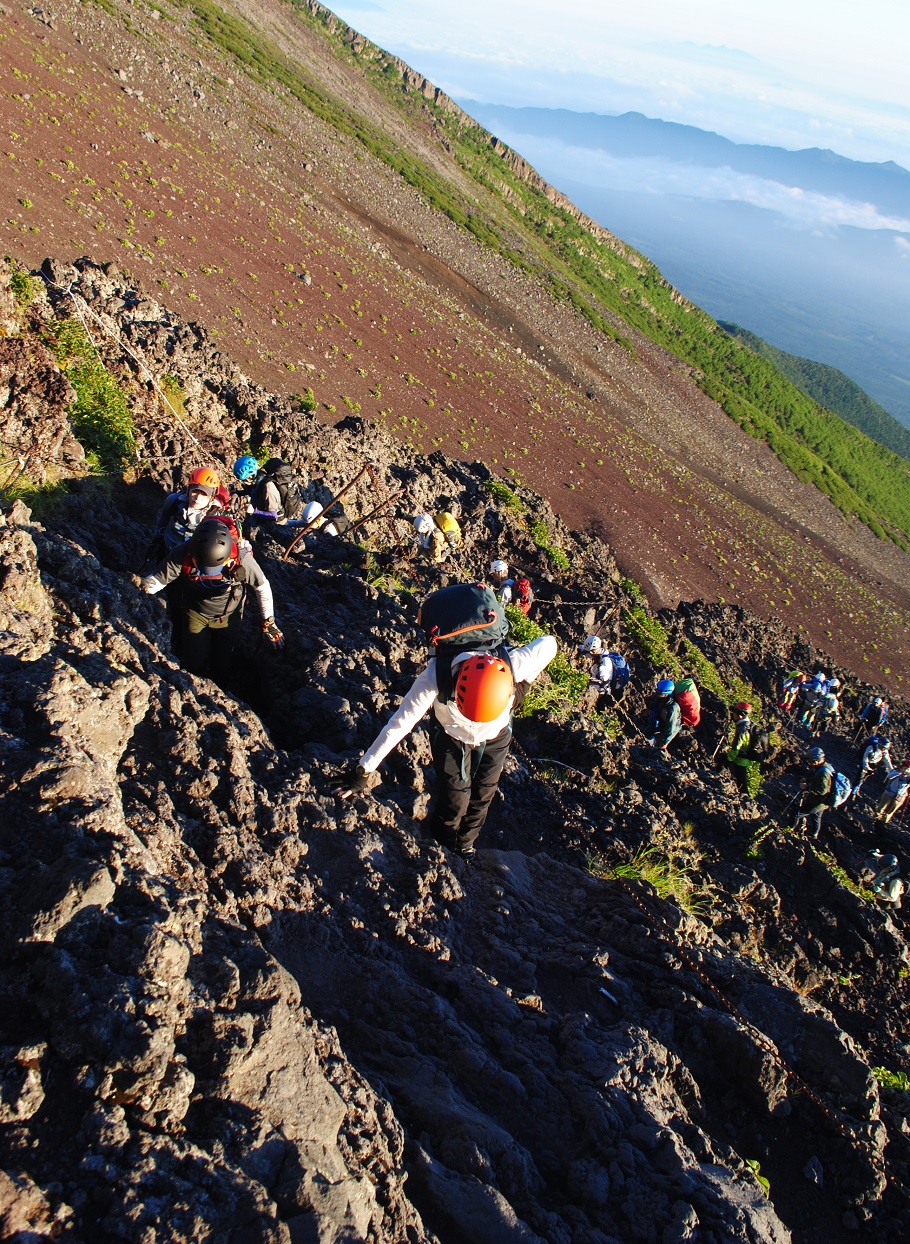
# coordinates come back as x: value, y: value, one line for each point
x: 499, y: 567
x: 423, y: 524
x: 311, y: 511
x: 833, y: 682
x: 592, y: 645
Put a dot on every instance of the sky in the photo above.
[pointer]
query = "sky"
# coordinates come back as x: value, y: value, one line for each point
x: 789, y: 73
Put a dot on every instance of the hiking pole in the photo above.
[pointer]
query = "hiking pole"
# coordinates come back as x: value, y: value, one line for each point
x: 720, y: 743
x: 347, y: 488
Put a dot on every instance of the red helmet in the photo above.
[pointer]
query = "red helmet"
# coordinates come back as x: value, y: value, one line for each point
x: 483, y: 687
x: 205, y: 477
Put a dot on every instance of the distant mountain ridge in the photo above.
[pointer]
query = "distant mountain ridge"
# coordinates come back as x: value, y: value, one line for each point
x: 831, y: 389
x: 631, y: 135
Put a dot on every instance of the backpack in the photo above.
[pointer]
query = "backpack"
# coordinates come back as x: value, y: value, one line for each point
x: 759, y: 745
x: 841, y: 789
x: 686, y: 696
x: 449, y: 527
x: 523, y: 595
x: 281, y: 474
x: 459, y: 618
x: 621, y: 671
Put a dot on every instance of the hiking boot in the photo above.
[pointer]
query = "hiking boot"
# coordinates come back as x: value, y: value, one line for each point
x: 466, y: 853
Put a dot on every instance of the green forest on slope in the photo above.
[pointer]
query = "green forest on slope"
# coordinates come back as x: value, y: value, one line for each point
x: 607, y: 282
x: 831, y: 389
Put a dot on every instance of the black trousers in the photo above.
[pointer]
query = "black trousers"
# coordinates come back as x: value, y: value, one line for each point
x: 812, y: 819
x: 468, y: 778
x: 209, y: 649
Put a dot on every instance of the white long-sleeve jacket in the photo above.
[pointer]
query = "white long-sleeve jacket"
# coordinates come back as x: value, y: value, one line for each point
x: 527, y: 663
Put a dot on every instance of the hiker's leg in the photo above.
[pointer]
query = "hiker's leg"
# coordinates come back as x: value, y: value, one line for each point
x: 453, y: 786
x: 197, y: 645
x: 224, y: 642
x: 814, y: 823
x: 484, y: 786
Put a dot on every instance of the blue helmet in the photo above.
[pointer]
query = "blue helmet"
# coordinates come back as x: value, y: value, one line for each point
x: 246, y: 467
x: 665, y: 686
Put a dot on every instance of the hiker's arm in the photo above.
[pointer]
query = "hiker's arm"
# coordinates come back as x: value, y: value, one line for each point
x: 163, y: 574
x: 415, y: 705
x: 251, y: 573
x: 531, y: 660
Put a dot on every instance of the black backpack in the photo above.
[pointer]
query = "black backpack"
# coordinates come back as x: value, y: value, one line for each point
x: 281, y: 474
x: 459, y: 618
x: 759, y: 745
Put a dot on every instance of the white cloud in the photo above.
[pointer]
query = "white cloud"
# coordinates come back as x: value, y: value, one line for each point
x: 804, y: 208
x: 903, y: 247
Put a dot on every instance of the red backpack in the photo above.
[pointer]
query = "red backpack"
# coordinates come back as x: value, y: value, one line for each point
x: 686, y: 696
x: 523, y: 595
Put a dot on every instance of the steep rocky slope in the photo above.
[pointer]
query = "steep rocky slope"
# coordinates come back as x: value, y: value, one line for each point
x: 153, y: 133
x: 235, y: 1009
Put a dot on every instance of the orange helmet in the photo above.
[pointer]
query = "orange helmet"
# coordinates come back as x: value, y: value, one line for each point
x: 483, y: 687
x: 205, y: 477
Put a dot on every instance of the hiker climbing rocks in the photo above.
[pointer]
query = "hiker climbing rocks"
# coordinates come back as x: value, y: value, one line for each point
x: 213, y: 574
x: 516, y: 590
x: 813, y: 697
x: 445, y: 520
x: 609, y: 671
x: 790, y: 690
x: 827, y: 715
x: 740, y: 758
x: 885, y: 881
x: 894, y: 793
x: 276, y: 499
x: 875, y: 714
x: 431, y: 541
x: 183, y: 511
x: 665, y: 717
x: 876, y: 752
x: 817, y: 788
x: 314, y: 513
x: 472, y: 684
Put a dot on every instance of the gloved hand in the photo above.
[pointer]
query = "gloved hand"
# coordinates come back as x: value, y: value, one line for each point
x: 272, y: 633
x: 150, y: 586
x: 355, y: 783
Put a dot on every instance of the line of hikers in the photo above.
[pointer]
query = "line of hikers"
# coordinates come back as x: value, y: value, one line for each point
x: 201, y: 558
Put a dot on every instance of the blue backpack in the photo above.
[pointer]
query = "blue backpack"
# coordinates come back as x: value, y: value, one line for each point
x: 841, y: 789
x: 621, y: 672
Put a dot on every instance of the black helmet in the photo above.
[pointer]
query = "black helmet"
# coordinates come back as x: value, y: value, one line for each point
x: 212, y: 543
x: 816, y: 755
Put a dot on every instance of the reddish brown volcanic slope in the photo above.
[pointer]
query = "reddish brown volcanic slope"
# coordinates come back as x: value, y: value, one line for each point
x: 316, y: 266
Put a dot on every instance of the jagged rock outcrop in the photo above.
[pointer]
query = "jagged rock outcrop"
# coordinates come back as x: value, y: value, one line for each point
x: 234, y: 1008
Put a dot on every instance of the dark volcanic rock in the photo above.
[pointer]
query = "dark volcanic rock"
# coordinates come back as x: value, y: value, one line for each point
x: 232, y: 1007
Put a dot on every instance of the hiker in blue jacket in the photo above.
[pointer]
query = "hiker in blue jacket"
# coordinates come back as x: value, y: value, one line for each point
x: 665, y: 716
